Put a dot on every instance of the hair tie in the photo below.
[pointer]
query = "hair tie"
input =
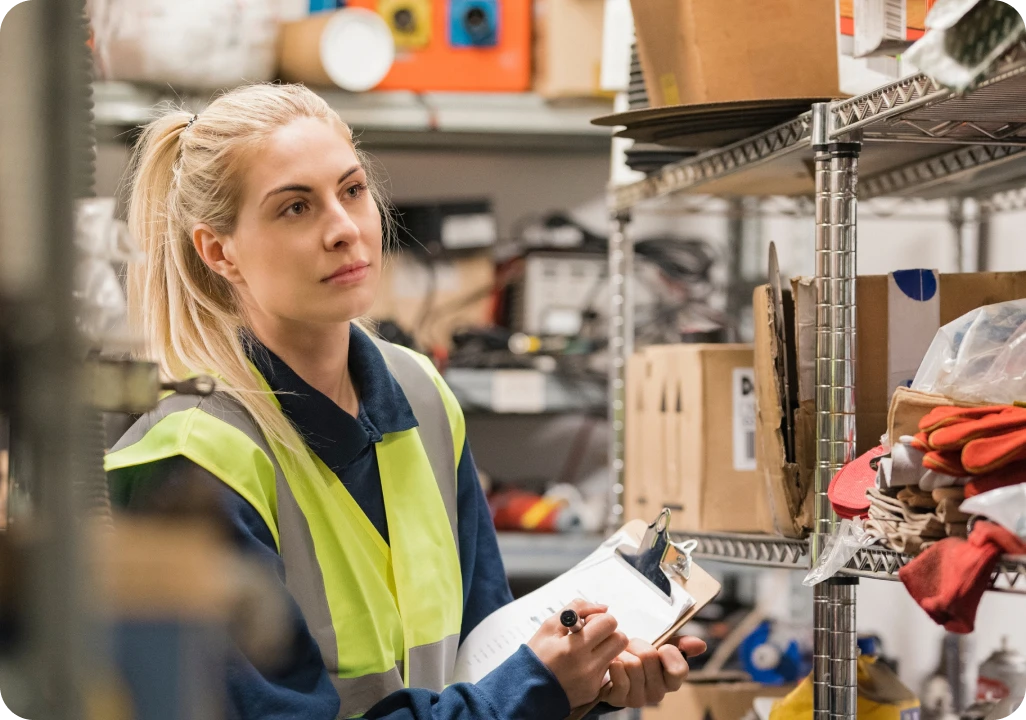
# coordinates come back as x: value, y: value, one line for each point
x: 189, y: 124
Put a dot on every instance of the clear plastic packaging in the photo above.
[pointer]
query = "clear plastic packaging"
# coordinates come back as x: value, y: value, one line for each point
x: 199, y: 44
x: 840, y: 548
x: 1006, y: 506
x: 980, y: 357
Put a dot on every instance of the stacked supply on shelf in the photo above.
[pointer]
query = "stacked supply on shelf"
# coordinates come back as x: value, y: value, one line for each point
x: 952, y: 486
x: 900, y: 314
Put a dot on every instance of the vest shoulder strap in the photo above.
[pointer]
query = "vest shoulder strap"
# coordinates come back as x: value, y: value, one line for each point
x: 440, y: 423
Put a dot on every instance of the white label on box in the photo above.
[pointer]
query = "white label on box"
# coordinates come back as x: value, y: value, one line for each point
x: 518, y: 391
x: 744, y: 418
x: 913, y: 319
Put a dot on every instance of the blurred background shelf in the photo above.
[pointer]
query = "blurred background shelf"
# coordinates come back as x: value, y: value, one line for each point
x: 525, y: 392
x: 400, y: 119
x: 544, y: 555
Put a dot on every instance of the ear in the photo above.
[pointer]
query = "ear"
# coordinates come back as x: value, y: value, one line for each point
x: 217, y: 251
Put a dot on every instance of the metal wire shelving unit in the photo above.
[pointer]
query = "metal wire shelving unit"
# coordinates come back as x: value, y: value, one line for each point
x: 911, y: 138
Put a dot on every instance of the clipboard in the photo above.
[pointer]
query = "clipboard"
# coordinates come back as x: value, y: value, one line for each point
x: 699, y: 584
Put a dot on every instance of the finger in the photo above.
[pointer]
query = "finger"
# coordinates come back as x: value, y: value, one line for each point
x: 691, y: 646
x: 655, y: 685
x: 636, y: 697
x: 619, y: 685
x: 610, y: 648
x: 597, y: 630
x: 584, y: 608
x: 675, y: 667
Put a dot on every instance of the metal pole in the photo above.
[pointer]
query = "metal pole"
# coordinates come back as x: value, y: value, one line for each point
x: 836, y: 169
x: 956, y: 218
x: 621, y: 345
x: 45, y: 162
x: 983, y: 215
x: 735, y: 247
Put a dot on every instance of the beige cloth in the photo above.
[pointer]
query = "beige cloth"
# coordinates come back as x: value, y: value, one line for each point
x: 905, y: 528
x: 916, y: 498
x: 960, y: 530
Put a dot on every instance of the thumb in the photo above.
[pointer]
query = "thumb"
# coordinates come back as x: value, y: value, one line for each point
x: 691, y: 646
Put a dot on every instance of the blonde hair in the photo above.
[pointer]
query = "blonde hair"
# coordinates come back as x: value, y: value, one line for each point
x: 188, y: 169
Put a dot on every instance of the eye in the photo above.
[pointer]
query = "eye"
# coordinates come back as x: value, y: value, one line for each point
x: 353, y: 192
x: 296, y: 208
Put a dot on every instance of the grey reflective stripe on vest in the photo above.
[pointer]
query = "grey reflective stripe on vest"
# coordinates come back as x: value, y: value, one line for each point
x: 432, y: 666
x: 432, y: 423
x: 361, y: 694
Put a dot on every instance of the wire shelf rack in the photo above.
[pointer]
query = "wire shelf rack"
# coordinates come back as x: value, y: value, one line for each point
x: 752, y: 550
x: 920, y: 139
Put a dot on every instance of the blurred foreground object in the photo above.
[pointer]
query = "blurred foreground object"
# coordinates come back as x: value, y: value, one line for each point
x: 196, y: 44
x: 964, y: 39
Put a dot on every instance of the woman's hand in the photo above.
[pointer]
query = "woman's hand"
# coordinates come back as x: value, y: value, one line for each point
x: 642, y: 674
x: 579, y: 660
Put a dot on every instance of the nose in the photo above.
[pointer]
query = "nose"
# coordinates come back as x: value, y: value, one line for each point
x: 341, y: 230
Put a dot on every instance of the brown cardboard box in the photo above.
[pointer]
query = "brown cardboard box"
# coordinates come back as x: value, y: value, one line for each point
x: 691, y: 438
x: 712, y: 701
x: 959, y: 293
x: 568, y: 48
x: 786, y: 493
x: 460, y: 297
x: 707, y: 51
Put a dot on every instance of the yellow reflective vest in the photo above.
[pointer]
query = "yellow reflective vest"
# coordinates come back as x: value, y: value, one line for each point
x: 385, y: 616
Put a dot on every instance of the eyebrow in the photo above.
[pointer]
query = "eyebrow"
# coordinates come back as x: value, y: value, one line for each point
x: 306, y: 188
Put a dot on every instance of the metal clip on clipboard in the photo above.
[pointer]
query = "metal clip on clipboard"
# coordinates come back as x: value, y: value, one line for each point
x: 658, y: 555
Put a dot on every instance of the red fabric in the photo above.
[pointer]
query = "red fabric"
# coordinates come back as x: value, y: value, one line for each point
x: 958, y: 435
x: 949, y: 578
x: 948, y: 415
x: 987, y: 454
x: 947, y: 462
x: 921, y: 442
x: 847, y: 491
x: 1009, y: 475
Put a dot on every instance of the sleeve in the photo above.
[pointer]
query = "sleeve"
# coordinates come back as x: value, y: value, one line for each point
x: 300, y: 688
x: 522, y: 688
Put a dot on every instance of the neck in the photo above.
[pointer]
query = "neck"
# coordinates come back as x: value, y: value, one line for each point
x: 319, y: 354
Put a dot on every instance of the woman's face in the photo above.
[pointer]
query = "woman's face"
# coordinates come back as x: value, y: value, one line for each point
x: 307, y: 242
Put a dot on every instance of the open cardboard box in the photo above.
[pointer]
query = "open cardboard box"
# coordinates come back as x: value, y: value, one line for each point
x: 711, y: 700
x: 893, y: 335
x: 690, y: 439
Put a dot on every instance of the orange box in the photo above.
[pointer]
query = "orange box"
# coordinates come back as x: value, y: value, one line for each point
x: 440, y: 67
x: 915, y: 22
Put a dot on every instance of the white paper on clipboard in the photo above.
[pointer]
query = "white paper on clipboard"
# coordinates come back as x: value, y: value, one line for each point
x: 641, y: 610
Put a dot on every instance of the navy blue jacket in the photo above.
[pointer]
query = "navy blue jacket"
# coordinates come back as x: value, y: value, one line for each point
x: 522, y: 688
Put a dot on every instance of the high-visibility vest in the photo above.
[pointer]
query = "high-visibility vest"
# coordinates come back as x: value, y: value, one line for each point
x: 385, y: 616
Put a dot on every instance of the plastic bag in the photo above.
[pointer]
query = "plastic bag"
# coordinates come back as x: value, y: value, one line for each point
x: 1006, y: 506
x: 189, y: 43
x: 980, y: 357
x: 841, y: 547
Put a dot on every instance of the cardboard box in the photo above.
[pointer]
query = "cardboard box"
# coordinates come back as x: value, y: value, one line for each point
x: 708, y: 51
x: 958, y: 293
x: 430, y: 300
x: 712, y: 701
x: 788, y: 497
x: 568, y: 48
x: 690, y: 438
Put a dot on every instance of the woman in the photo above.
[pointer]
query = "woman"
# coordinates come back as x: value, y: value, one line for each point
x: 340, y: 459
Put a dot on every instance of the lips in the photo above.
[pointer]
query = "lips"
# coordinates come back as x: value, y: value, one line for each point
x: 348, y: 274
